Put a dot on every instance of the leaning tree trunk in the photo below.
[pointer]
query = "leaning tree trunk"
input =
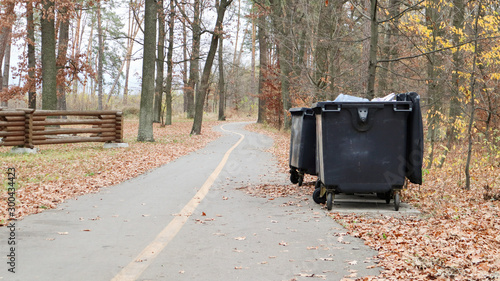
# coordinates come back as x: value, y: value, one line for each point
x: 145, y: 132
x: 203, y: 89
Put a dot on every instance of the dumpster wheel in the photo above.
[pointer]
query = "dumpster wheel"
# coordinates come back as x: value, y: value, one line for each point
x: 330, y: 196
x: 397, y: 200
x: 317, y: 196
x: 294, y: 176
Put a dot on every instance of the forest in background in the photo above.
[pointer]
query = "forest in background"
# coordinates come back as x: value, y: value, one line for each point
x: 262, y: 57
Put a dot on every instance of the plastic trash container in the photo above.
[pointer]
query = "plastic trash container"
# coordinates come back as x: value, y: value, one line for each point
x: 302, y: 144
x: 362, y: 147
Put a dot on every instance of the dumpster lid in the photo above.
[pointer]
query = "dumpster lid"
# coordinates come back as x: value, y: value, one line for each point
x: 301, y: 110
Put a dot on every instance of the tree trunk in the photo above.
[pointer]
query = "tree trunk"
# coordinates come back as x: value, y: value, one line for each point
x: 170, y: 65
x: 389, y: 49
x: 203, y: 88
x: 194, y: 62
x: 434, y: 77
x: 62, y: 50
x: 185, y: 64
x: 49, y: 70
x: 145, y: 132
x: 100, y: 61
x: 222, y: 94
x: 6, y: 68
x: 5, y: 35
x: 130, y: 44
x: 263, y: 54
x: 372, y: 64
x: 132, y: 33
x: 285, y: 58
x: 323, y: 47
x: 472, y: 97
x: 75, y: 52
x: 455, y: 105
x: 254, y: 44
x: 160, y: 62
x: 31, y: 56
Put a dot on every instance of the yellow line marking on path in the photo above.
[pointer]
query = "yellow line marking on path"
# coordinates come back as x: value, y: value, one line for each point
x: 135, y: 268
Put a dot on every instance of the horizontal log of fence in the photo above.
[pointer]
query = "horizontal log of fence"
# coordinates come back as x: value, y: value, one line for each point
x: 29, y: 128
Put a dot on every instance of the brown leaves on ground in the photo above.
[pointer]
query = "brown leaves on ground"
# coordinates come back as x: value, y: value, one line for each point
x: 456, y: 237
x: 60, y: 172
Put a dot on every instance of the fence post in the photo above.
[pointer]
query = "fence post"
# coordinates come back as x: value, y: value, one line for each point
x: 28, y: 128
x: 119, y: 127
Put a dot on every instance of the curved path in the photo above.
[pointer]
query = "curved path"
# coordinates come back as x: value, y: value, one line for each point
x: 187, y: 220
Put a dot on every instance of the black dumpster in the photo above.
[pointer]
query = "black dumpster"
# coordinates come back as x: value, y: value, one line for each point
x: 362, y: 147
x: 302, y: 144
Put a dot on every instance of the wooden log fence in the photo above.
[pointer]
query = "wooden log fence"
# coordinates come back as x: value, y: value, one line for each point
x: 29, y: 128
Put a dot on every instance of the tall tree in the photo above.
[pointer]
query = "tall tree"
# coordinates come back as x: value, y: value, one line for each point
x: 6, y: 67
x: 472, y: 96
x: 49, y: 69
x: 455, y: 105
x: 222, y: 94
x: 145, y: 132
x: 285, y: 49
x: 185, y: 69
x: 201, y: 93
x: 62, y: 50
x: 389, y: 49
x: 31, y: 56
x: 194, y: 61
x: 100, y: 61
x: 170, y: 65
x: 133, y: 29
x: 263, y: 54
x: 434, y: 74
x: 160, y: 62
x: 372, y: 63
x: 7, y: 17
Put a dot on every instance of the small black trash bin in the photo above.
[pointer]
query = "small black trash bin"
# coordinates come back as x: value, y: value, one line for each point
x: 362, y: 147
x: 302, y: 144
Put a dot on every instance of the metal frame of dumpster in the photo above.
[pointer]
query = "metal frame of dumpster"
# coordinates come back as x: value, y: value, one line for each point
x: 302, y: 144
x: 361, y: 148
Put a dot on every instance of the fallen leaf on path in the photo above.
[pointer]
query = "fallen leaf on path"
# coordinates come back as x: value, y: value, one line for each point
x: 240, y: 238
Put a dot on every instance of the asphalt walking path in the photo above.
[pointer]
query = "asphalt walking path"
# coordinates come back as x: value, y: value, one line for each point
x: 190, y: 220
